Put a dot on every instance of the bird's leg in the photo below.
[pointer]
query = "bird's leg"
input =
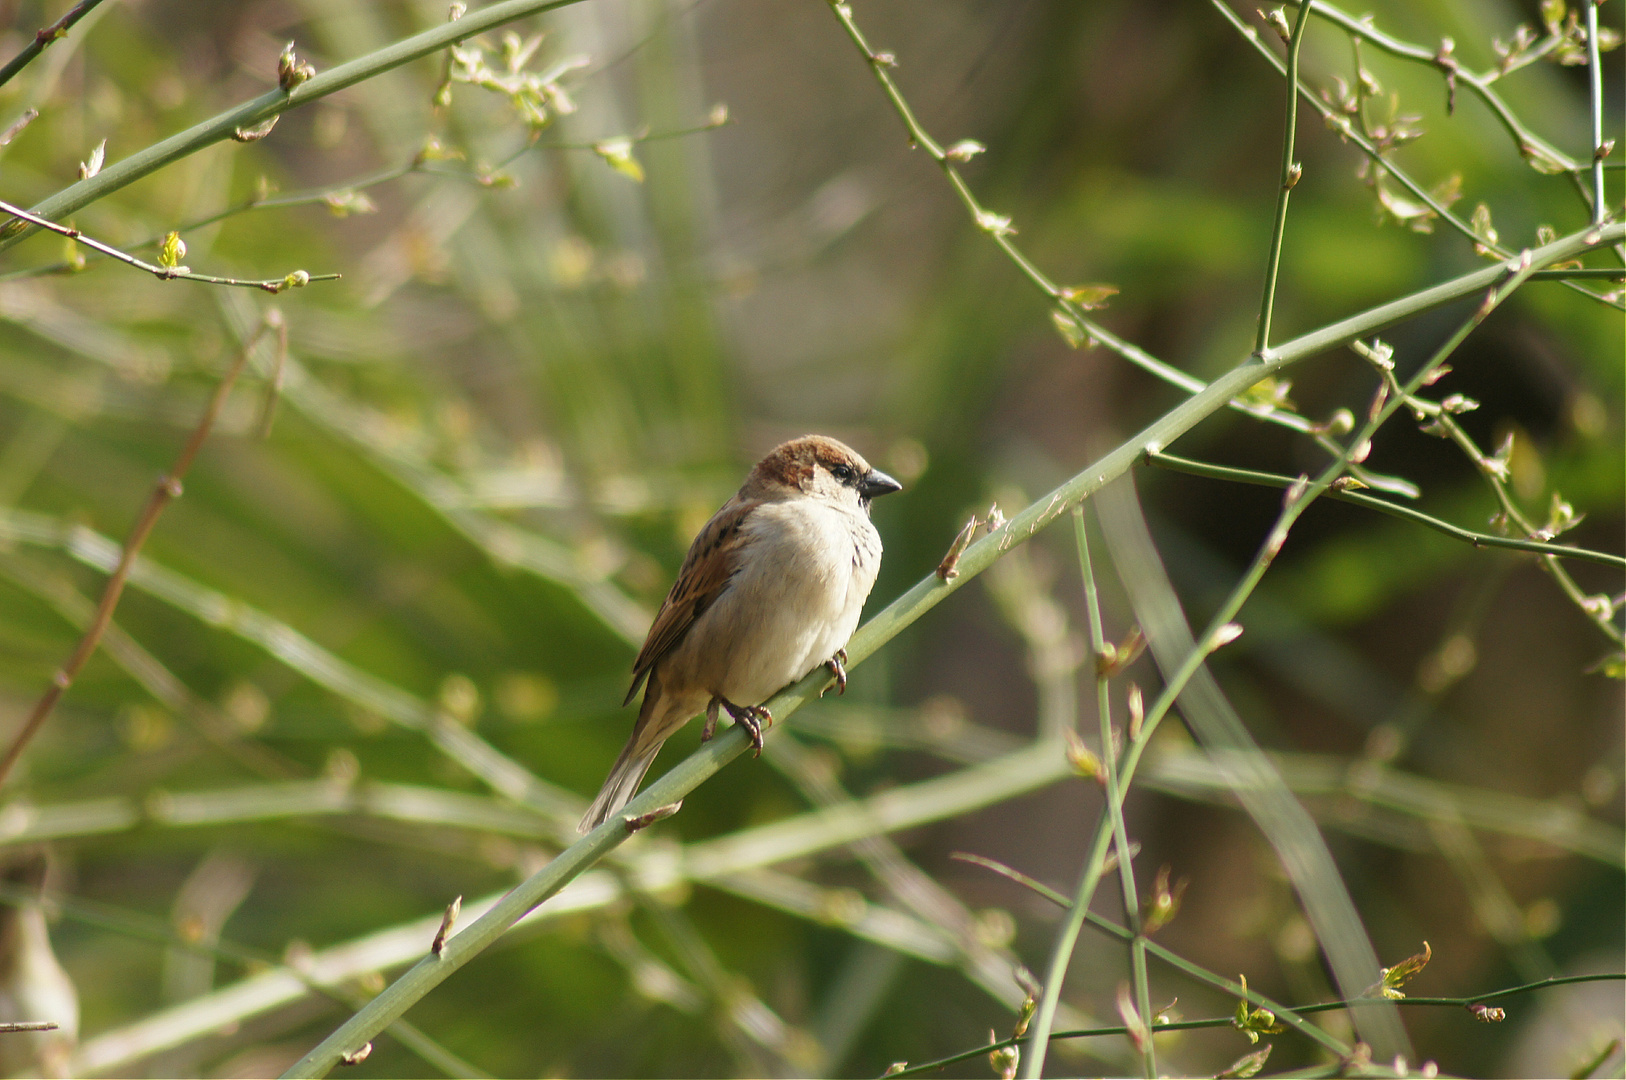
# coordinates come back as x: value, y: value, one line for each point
x: 711, y: 720
x: 751, y: 718
x: 838, y: 667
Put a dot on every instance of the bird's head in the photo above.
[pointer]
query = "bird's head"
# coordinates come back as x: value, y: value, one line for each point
x: 818, y: 467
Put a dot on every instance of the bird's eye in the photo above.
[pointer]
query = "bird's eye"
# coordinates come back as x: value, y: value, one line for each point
x: 844, y: 473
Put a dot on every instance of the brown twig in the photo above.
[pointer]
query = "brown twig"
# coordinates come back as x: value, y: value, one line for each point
x: 165, y: 491
x: 297, y: 279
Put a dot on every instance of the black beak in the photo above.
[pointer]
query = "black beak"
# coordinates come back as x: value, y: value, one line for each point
x: 876, y: 483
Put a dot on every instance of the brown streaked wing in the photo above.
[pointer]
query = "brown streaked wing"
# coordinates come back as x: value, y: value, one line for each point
x: 707, y: 570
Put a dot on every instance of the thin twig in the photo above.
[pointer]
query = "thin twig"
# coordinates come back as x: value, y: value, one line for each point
x: 43, y: 38
x: 1477, y: 539
x: 1442, y: 60
x: 1491, y: 473
x: 1109, y: 776
x: 274, y: 102
x: 1290, y: 177
x: 295, y: 280
x: 926, y: 594
x: 165, y: 491
x: 999, y: 231
x: 1227, y: 1021
x: 418, y: 164
x: 1216, y: 634
x: 1347, y: 131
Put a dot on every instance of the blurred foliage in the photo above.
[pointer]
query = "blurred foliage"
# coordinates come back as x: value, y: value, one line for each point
x: 563, y: 332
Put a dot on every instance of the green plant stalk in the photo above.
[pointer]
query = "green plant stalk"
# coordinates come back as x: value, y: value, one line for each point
x: 1114, y: 800
x: 1405, y: 513
x: 272, y: 103
x: 1297, y: 502
x: 1479, y: 84
x: 1347, y: 131
x: 918, y: 136
x: 311, y: 196
x: 1278, y: 231
x: 1453, y: 430
x: 1594, y: 67
x: 1226, y: 1021
x: 1549, y: 562
x: 922, y: 597
x: 42, y: 38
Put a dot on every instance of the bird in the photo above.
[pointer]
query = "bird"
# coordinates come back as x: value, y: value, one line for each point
x: 771, y: 589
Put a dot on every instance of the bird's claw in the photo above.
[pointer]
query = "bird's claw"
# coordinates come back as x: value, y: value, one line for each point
x: 750, y: 717
x: 838, y: 667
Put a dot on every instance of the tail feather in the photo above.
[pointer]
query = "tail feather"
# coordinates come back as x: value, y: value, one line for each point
x: 621, y: 785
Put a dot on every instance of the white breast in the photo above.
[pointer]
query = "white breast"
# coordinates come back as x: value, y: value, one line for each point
x: 796, y: 600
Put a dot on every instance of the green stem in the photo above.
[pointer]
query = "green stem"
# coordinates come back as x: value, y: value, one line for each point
x: 902, y: 612
x: 1603, y: 272
x: 1250, y: 476
x: 1600, y: 208
x: 1120, y: 831
x: 1479, y: 84
x: 1347, y: 131
x: 257, y: 110
x: 42, y: 38
x: 1297, y: 503
x: 1290, y: 171
x: 1225, y: 1021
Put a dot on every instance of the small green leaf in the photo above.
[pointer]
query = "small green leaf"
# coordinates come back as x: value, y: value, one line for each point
x: 1245, y: 1066
x: 349, y: 201
x: 90, y: 168
x: 1267, y: 395
x: 1396, y: 977
x: 1253, y: 1022
x: 172, y: 251
x: 1071, y: 332
x: 1089, y: 297
x: 618, y: 152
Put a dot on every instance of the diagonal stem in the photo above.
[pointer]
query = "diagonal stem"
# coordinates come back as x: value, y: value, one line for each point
x: 42, y: 38
x: 902, y: 612
x: 257, y: 110
x: 1296, y: 502
x: 164, y: 492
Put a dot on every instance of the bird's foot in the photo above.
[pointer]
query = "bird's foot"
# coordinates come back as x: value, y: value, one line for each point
x: 838, y: 667
x: 752, y: 718
x: 711, y: 720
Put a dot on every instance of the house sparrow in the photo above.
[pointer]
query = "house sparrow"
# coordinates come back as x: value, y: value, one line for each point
x: 771, y: 589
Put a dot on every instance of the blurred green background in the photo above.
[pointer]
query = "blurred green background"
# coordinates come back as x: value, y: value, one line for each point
x: 537, y: 379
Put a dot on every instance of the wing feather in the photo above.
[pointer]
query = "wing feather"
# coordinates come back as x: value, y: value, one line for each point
x: 707, y: 571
